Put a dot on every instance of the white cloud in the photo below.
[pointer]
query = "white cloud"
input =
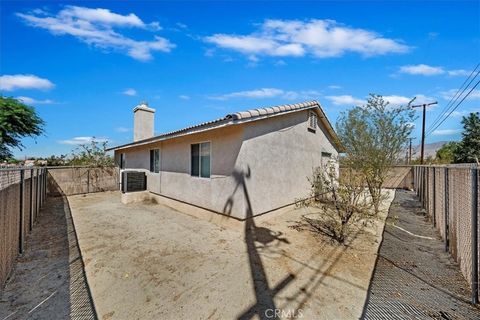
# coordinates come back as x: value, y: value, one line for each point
x: 449, y: 94
x: 397, y: 100
x: 82, y: 140
x: 123, y: 129
x: 268, y: 93
x: 458, y: 72
x: 422, y: 69
x: 334, y: 87
x: 426, y: 70
x: 319, y: 38
x: 95, y: 27
x: 457, y: 114
x: 394, y: 100
x: 103, y: 16
x: 446, y: 132
x: 402, y: 100
x: 32, y: 101
x: 255, y: 94
x: 24, y: 81
x: 343, y: 100
x: 462, y: 113
x: 184, y: 97
x: 130, y: 92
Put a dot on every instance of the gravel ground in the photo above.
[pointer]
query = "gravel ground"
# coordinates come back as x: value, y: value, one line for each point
x: 414, y: 277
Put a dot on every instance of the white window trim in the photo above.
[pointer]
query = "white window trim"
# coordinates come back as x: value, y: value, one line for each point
x: 200, y: 161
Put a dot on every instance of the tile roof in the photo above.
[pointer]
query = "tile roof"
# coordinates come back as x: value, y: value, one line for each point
x: 239, y: 117
x: 272, y: 110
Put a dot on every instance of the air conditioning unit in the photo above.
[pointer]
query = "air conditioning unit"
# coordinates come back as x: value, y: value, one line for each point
x: 133, y: 181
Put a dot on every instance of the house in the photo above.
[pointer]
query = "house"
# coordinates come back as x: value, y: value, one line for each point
x: 245, y: 164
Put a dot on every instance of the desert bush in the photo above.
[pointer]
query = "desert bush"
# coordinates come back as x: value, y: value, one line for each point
x: 341, y: 202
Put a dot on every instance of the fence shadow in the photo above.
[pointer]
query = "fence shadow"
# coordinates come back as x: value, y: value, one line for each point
x: 49, y: 281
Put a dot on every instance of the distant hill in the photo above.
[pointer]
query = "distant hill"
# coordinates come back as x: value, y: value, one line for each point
x: 430, y: 149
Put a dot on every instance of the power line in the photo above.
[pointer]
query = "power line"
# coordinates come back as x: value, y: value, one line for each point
x: 435, y: 124
x: 463, y: 99
x: 453, y: 100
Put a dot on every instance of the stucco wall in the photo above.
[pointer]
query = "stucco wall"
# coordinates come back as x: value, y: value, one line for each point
x: 279, y: 154
x: 175, y: 180
x: 261, y: 165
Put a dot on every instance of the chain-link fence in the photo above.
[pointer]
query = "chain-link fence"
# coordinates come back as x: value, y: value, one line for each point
x: 23, y: 191
x: 22, y: 194
x: 450, y: 196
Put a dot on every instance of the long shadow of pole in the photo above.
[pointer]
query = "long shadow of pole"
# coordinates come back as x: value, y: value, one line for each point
x: 265, y: 305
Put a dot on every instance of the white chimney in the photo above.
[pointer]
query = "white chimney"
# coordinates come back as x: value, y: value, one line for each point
x: 143, y: 118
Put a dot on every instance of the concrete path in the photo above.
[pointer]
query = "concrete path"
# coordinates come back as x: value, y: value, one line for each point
x: 49, y: 281
x: 414, y: 277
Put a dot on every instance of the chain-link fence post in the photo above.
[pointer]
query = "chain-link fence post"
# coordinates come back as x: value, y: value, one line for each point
x: 447, y: 215
x: 45, y: 185
x: 88, y: 180
x: 30, y: 227
x: 474, y: 172
x: 42, y: 186
x: 434, y: 196
x: 37, y: 195
x: 21, y: 234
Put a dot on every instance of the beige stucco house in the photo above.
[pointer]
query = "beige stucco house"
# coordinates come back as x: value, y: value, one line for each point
x: 245, y: 164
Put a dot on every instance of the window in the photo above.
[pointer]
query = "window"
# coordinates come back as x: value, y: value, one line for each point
x: 122, y: 160
x: 200, y: 157
x: 155, y: 160
x: 312, y: 121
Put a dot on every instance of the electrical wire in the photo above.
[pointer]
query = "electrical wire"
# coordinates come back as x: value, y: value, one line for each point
x: 463, y: 99
x: 452, y: 101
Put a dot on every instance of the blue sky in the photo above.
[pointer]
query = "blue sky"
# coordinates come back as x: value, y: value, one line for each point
x: 85, y: 65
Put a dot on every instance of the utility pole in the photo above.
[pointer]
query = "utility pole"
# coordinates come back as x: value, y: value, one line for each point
x: 410, y: 151
x: 425, y: 105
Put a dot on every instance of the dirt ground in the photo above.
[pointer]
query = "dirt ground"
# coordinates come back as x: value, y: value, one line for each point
x: 149, y: 261
x: 48, y: 281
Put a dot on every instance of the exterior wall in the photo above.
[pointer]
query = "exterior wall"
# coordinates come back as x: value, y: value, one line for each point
x: 218, y: 193
x: 278, y: 155
x: 255, y: 167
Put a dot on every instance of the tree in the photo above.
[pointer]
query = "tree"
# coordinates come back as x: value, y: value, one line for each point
x: 17, y: 121
x: 446, y: 154
x: 373, y: 136
x: 56, y: 161
x: 93, y: 154
x: 469, y: 148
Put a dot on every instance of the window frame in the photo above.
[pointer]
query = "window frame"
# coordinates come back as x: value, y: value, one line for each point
x: 200, y: 160
x: 153, y: 167
x: 122, y: 160
x: 312, y: 114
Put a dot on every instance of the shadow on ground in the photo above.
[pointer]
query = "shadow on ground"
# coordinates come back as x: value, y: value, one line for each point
x: 261, y: 240
x: 49, y: 280
x: 414, y: 277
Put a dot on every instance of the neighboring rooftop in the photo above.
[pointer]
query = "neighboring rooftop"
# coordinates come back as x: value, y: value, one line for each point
x: 241, y: 117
